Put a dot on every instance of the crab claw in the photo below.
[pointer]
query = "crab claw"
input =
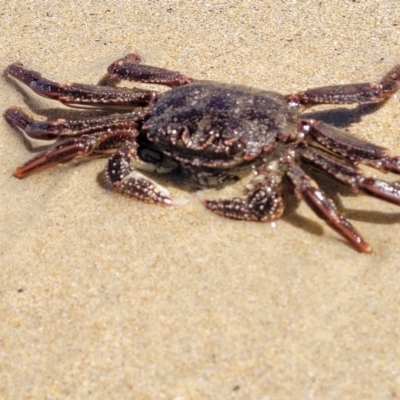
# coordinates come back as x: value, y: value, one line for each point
x: 129, y: 181
x: 263, y: 203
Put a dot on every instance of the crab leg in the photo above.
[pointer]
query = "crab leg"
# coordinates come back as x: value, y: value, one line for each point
x: 127, y: 180
x: 61, y: 128
x: 350, y: 147
x: 361, y: 93
x: 307, y: 189
x: 351, y: 176
x: 76, y: 93
x: 104, y: 142
x: 130, y: 68
x: 263, y: 203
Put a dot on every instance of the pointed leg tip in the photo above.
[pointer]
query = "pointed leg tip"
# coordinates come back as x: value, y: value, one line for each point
x: 178, y: 202
x: 365, y: 248
x: 8, y: 114
x: 135, y: 58
x: 18, y: 173
x: 201, y: 197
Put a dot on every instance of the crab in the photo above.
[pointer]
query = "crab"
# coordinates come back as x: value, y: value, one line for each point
x: 213, y: 132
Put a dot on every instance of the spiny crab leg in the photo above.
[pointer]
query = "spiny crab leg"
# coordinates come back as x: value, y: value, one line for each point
x: 101, y: 143
x: 307, y: 189
x: 130, y: 182
x: 350, y: 147
x: 76, y: 93
x: 130, y: 68
x: 351, y: 176
x: 360, y: 93
x: 264, y: 202
x: 62, y: 128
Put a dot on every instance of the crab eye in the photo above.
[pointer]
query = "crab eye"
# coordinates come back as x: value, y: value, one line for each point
x: 149, y: 155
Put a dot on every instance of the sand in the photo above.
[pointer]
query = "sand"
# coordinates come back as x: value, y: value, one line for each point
x: 103, y: 296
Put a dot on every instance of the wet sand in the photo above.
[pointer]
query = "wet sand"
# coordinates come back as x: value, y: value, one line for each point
x: 106, y: 297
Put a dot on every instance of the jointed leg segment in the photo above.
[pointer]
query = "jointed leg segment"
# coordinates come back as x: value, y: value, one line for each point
x: 76, y: 93
x: 101, y: 143
x: 264, y: 201
x: 62, y: 128
x: 129, y: 181
x: 76, y: 138
x: 129, y: 68
x: 351, y: 176
x: 360, y: 93
x: 307, y: 189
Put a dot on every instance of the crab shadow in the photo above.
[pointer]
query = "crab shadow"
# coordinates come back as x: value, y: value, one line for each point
x: 342, y: 117
x: 334, y: 190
